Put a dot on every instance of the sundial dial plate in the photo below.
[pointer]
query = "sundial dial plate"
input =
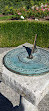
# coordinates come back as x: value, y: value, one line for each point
x: 16, y: 60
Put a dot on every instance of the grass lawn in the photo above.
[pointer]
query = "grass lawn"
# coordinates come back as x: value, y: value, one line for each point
x: 6, y: 17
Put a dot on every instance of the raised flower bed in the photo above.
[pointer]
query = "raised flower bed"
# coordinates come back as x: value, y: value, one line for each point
x: 34, y: 12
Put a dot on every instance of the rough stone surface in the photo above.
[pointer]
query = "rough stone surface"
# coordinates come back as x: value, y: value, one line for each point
x: 28, y: 106
x: 44, y: 103
x: 6, y: 90
x: 9, y: 94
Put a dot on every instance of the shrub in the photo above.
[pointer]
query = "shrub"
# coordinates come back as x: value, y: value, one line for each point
x: 14, y: 33
x: 12, y: 10
x: 6, y: 10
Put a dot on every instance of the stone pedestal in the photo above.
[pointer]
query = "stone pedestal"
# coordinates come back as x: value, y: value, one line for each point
x: 32, y: 89
x: 27, y: 105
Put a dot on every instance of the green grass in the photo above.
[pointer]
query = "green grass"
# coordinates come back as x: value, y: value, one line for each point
x: 14, y: 33
x: 7, y: 17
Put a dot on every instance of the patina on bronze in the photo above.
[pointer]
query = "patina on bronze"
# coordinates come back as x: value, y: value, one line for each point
x: 29, y: 51
x: 34, y: 47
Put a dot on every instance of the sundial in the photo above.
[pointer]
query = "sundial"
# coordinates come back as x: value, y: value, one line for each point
x: 27, y: 61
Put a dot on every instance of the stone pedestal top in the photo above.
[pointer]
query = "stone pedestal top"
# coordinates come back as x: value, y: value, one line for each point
x: 32, y: 88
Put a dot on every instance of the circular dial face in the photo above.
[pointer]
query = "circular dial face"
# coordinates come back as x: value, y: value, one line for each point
x: 17, y: 61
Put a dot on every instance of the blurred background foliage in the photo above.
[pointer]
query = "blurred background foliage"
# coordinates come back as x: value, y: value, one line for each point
x: 8, y: 5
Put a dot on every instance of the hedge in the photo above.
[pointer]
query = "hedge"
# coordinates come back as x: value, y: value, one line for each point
x: 14, y: 33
